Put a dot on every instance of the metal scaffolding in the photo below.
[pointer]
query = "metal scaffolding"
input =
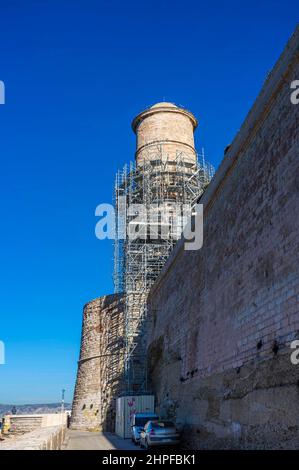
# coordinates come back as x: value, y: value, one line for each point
x: 149, y: 199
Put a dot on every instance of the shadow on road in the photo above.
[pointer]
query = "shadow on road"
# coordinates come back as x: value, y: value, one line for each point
x: 85, y: 440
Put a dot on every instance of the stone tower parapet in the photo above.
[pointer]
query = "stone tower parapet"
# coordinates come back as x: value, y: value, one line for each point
x: 167, y: 127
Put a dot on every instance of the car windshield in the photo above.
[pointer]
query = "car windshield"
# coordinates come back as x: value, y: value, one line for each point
x: 163, y: 424
x: 141, y: 421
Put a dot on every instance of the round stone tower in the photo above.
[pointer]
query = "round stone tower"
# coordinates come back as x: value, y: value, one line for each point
x: 168, y: 128
x: 99, y: 365
x: 164, y: 181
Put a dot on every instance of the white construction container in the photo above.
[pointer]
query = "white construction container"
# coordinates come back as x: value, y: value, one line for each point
x: 126, y: 407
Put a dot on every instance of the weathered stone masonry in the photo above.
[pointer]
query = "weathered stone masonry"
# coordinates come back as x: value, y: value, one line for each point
x: 223, y: 317
x: 102, y: 333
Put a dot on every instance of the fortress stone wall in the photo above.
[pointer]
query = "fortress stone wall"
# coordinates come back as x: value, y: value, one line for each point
x: 223, y: 317
x: 100, y: 364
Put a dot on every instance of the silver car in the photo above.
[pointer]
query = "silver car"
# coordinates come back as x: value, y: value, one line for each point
x: 159, y: 433
x: 139, y: 420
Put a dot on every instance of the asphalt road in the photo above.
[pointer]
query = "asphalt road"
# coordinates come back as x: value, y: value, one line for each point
x: 84, y: 440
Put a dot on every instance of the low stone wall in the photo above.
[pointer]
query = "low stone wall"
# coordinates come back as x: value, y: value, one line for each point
x: 48, y: 438
x: 21, y: 424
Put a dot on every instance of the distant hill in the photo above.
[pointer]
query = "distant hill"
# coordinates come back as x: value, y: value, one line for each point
x: 40, y: 408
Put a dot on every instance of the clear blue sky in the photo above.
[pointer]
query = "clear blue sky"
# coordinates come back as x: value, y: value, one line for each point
x: 76, y: 73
